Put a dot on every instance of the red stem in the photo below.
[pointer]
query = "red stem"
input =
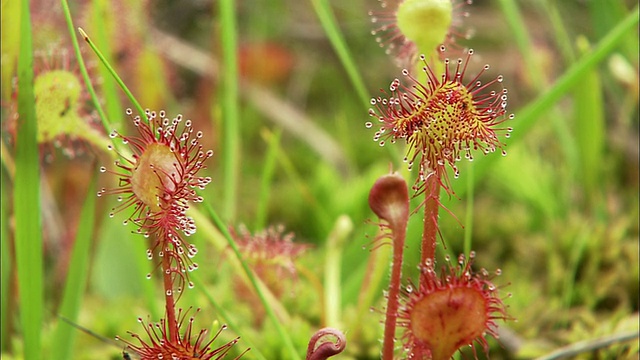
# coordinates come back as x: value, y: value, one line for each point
x: 170, y: 303
x: 399, y: 234
x: 431, y: 206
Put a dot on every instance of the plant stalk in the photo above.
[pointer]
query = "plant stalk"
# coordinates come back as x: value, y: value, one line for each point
x: 170, y: 303
x: 430, y: 221
x: 388, y: 345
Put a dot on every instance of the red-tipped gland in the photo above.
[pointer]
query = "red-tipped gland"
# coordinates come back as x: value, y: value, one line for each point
x: 187, y: 346
x: 159, y: 182
x: 446, y: 312
x: 389, y: 200
x: 272, y: 254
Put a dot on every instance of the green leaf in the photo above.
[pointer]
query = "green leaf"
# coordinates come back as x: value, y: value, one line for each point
x: 77, y: 275
x: 330, y: 25
x: 28, y: 236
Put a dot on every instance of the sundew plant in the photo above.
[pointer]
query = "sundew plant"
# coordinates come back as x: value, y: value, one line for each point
x: 365, y: 179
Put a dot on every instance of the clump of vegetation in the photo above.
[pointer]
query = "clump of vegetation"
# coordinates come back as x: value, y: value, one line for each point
x: 386, y: 241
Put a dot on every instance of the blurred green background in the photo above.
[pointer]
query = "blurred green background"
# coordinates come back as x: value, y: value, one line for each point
x: 558, y: 215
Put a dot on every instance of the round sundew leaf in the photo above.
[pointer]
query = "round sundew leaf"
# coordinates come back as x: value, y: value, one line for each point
x: 425, y: 22
x: 57, y: 93
x: 153, y: 174
x: 448, y: 319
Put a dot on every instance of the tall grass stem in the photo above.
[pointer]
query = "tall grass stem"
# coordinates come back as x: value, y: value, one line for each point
x: 331, y: 28
x: 26, y: 197
x: 77, y: 275
x: 229, y: 92
x: 284, y: 336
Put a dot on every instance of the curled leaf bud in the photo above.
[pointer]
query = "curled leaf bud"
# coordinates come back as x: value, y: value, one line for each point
x: 326, y: 349
x: 389, y: 199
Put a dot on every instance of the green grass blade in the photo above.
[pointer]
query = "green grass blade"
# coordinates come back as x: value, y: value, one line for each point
x: 28, y: 231
x: 604, y: 15
x: 140, y: 247
x: 83, y: 69
x: 284, y: 336
x: 9, y: 45
x: 590, y: 128
x: 527, y: 116
x: 267, y: 176
x: 77, y: 275
x: 114, y: 74
x: 333, y: 270
x: 108, y: 88
x: 330, y: 25
x: 230, y: 110
x: 563, y: 40
x: 523, y: 41
x: 6, y: 263
x: 224, y: 314
x: 531, y: 113
x: 539, y: 79
x: 322, y: 214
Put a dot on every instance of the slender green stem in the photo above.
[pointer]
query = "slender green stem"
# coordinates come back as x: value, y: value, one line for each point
x: 142, y: 262
x: 83, y: 68
x: 377, y: 268
x: 115, y: 75
x: 281, y: 331
x: 224, y: 314
x: 529, y: 114
x: 267, y: 175
x: 589, y: 113
x: 229, y: 93
x: 537, y: 77
x: 102, y: 36
x: 6, y: 262
x: 28, y: 230
x: 563, y: 40
x: 330, y: 25
x: 321, y: 213
x: 333, y: 270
